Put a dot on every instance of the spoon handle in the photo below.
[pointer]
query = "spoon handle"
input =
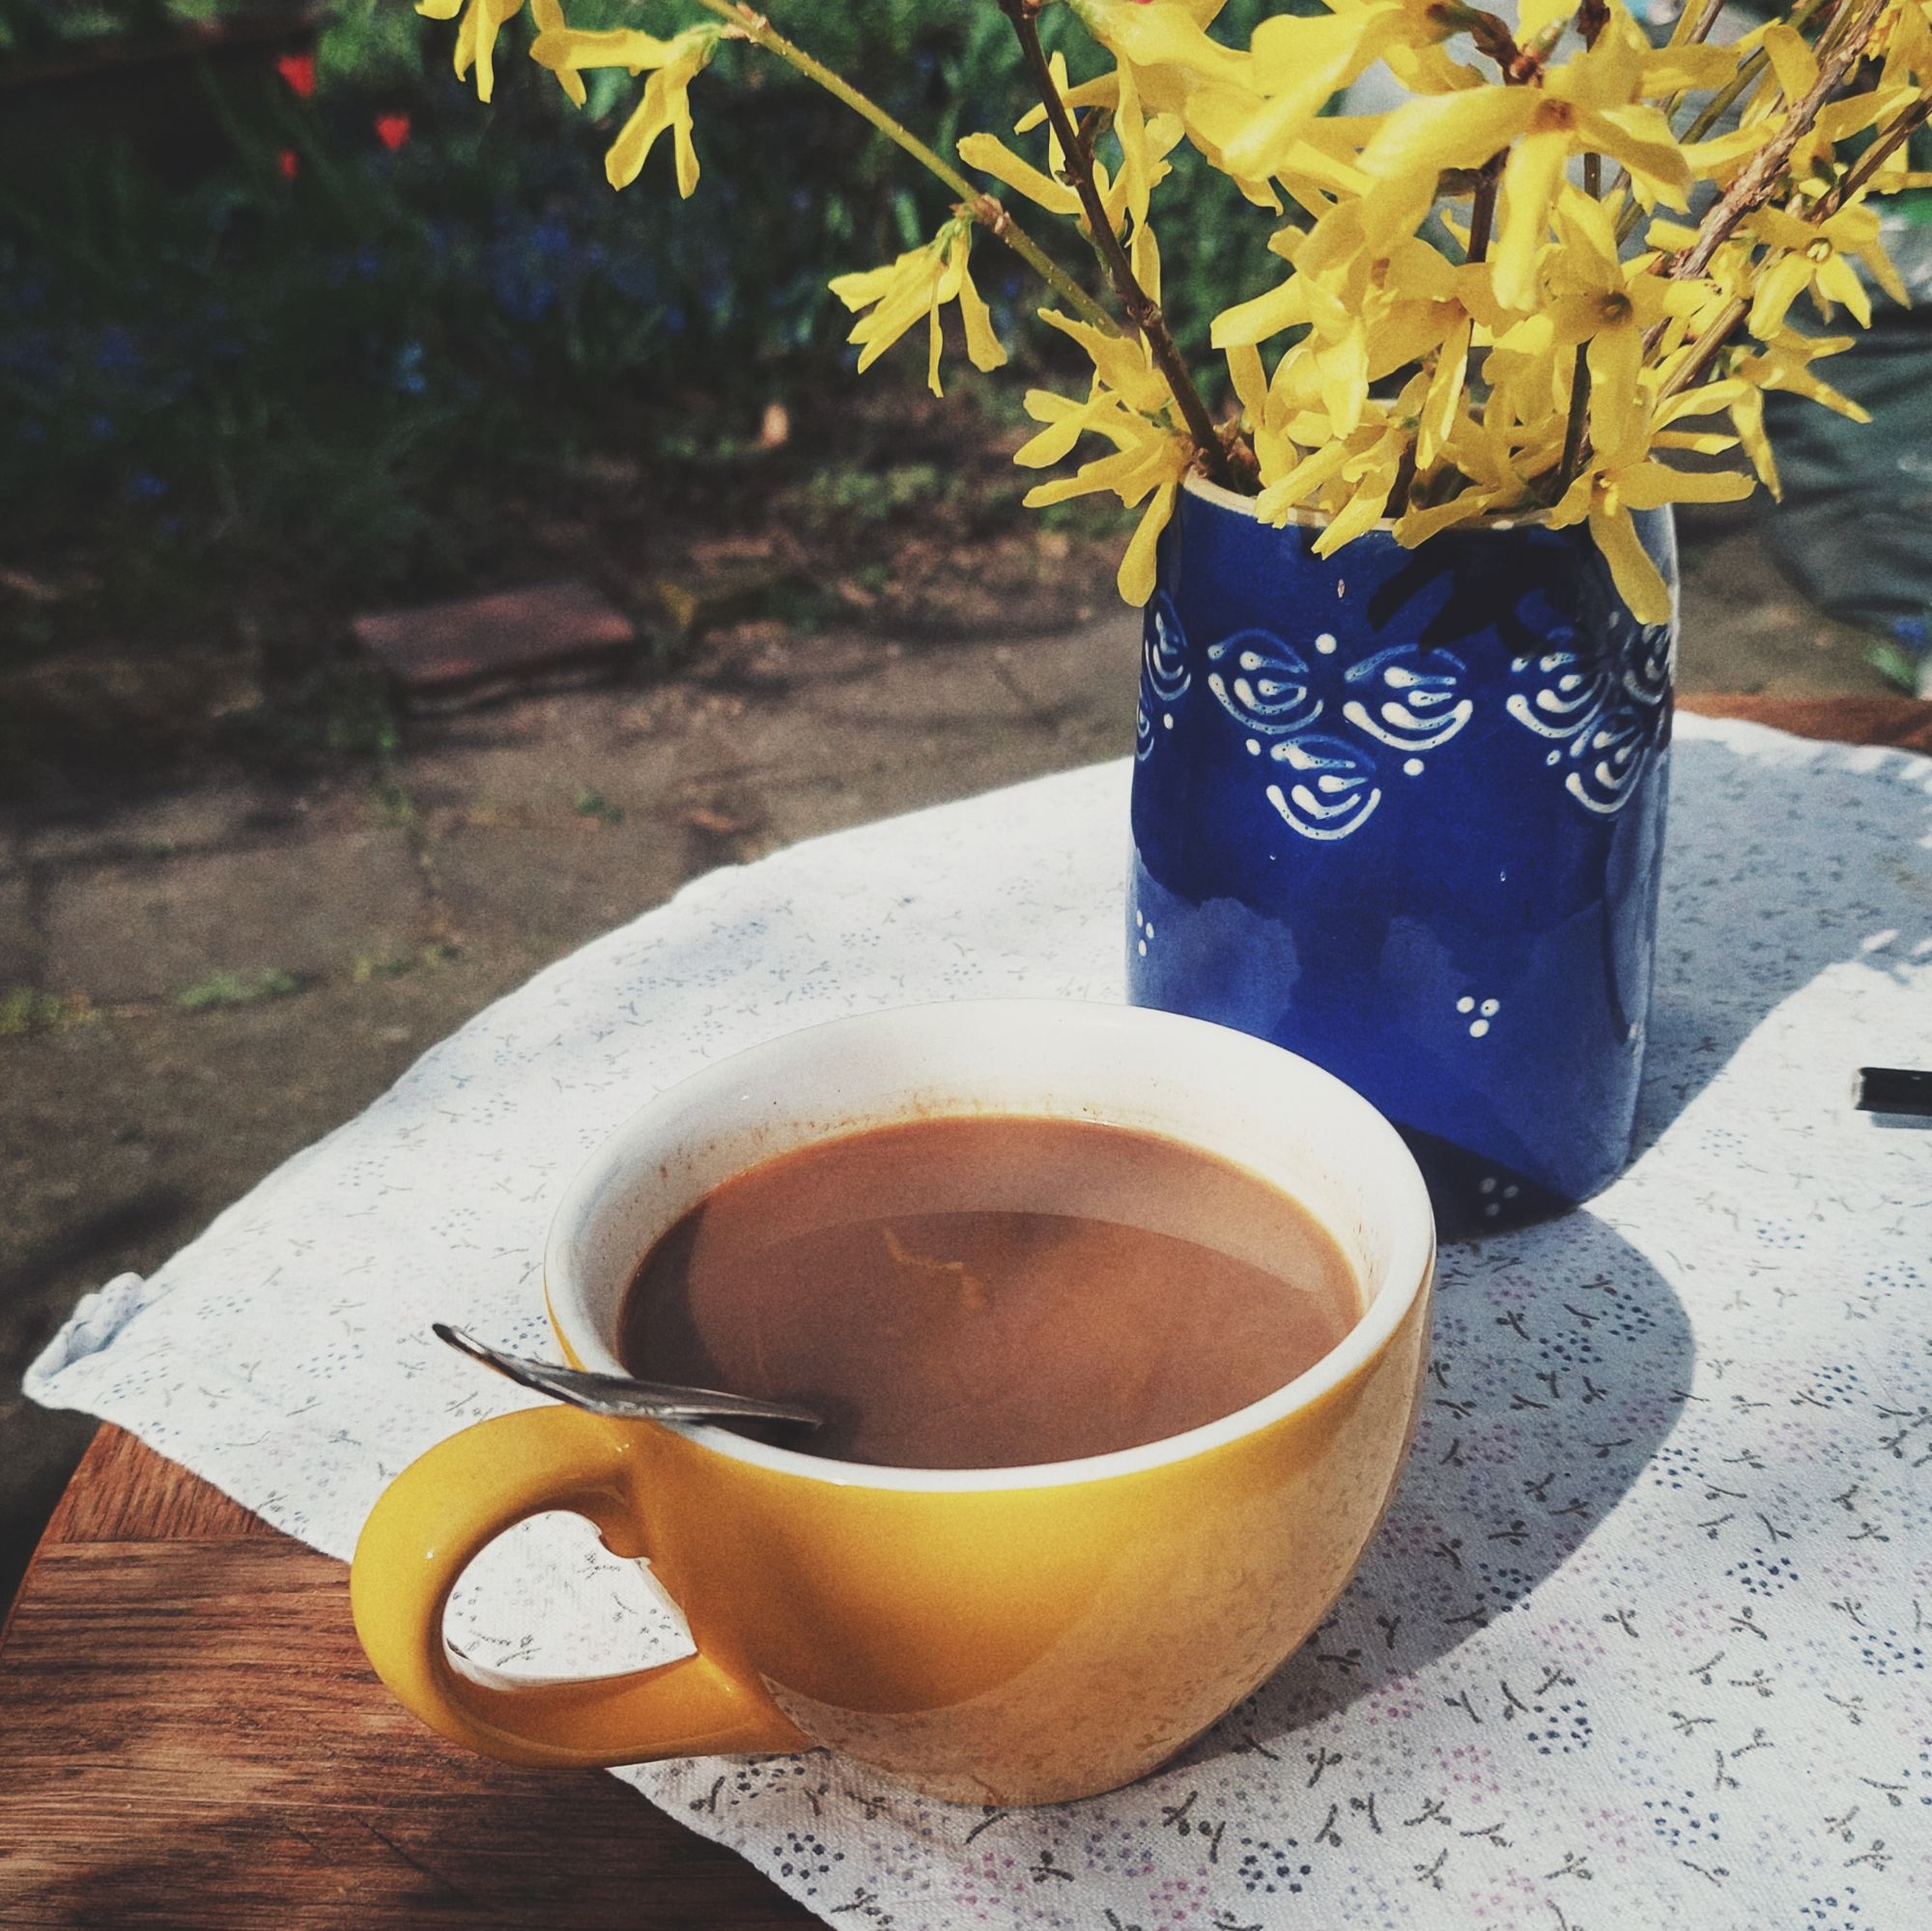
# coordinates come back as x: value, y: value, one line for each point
x: 618, y: 1395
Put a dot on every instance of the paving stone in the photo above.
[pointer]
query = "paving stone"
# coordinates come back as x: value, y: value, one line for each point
x: 547, y: 886
x: 479, y: 647
x: 769, y: 657
x: 746, y: 743
x: 591, y: 747
x: 1091, y: 672
x: 143, y: 931
x: 892, y: 770
x: 1746, y: 628
x: 201, y: 820
x: 922, y: 687
x: 19, y: 943
x: 940, y: 727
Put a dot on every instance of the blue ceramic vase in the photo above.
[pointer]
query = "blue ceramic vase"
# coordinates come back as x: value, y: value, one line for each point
x: 1402, y: 813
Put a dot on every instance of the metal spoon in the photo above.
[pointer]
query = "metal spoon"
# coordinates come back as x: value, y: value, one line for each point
x: 619, y: 1395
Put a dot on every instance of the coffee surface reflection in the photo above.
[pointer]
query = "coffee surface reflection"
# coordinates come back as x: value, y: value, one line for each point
x: 990, y: 1291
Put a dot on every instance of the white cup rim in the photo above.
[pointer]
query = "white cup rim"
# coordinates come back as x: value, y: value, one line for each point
x: 1389, y: 1297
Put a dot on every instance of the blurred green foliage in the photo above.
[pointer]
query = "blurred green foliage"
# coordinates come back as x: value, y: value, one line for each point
x: 330, y: 346
x: 236, y: 989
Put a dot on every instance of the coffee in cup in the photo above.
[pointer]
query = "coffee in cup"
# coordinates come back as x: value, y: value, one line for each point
x: 991, y: 1291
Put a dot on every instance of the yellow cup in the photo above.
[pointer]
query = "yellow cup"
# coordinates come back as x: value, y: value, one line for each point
x: 1003, y: 1635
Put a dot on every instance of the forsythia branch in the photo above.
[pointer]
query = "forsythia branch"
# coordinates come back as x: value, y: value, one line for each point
x: 1759, y: 179
x: 1719, y: 332
x: 984, y: 209
x: 1874, y: 156
x: 1353, y: 374
x: 1143, y: 312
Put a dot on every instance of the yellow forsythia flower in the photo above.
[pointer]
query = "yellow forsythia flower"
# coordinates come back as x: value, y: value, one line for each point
x: 1819, y: 260
x: 1606, y: 495
x: 476, y: 36
x: 1166, y: 39
x: 920, y: 283
x: 1459, y: 331
x: 991, y: 156
x: 549, y: 18
x: 1150, y: 457
x: 1589, y: 104
x: 665, y: 107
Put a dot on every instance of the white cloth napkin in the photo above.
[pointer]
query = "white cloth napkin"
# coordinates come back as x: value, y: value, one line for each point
x: 1645, y: 1638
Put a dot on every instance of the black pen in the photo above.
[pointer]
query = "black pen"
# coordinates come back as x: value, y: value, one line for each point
x: 1892, y: 1089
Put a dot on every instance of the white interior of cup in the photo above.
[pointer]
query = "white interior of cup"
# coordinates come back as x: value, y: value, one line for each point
x: 1266, y: 1110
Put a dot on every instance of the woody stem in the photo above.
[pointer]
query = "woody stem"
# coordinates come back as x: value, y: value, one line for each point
x: 1482, y: 221
x: 1867, y: 164
x: 1756, y: 180
x: 1753, y: 186
x: 1719, y: 332
x: 1574, y: 431
x: 1142, y: 311
x: 985, y: 209
x: 1741, y: 84
x: 1482, y: 207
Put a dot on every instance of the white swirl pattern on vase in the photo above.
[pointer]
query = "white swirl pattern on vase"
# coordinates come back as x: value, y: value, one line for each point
x: 1417, y: 706
x: 1165, y: 677
x: 1333, y: 792
x: 1263, y: 682
x: 1604, y: 720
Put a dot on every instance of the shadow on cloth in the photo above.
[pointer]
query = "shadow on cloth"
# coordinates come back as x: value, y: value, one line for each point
x: 1561, y: 1359
x: 1561, y: 1356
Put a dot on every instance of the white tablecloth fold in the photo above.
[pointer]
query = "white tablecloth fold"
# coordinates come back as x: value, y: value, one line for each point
x: 1645, y: 1638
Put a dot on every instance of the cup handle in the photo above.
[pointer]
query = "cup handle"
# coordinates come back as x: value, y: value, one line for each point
x: 431, y: 1523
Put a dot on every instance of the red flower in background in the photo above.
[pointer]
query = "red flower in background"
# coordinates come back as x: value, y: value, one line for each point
x: 392, y: 130
x: 290, y: 163
x: 298, y: 70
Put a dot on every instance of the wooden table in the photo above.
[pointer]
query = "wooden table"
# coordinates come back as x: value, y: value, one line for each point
x: 189, y: 1735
